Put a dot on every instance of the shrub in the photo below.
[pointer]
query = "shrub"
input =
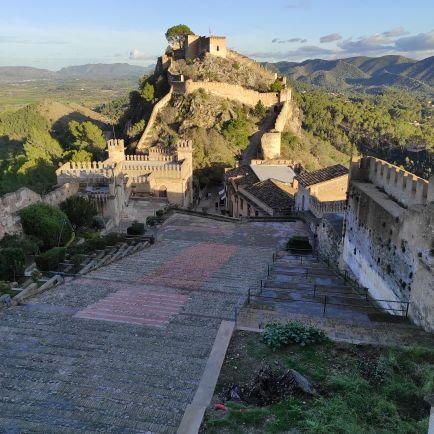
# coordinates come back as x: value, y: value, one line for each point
x: 98, y: 222
x: 113, y: 238
x: 50, y: 259
x: 259, y: 111
x: 95, y: 244
x: 276, y: 86
x: 29, y: 245
x: 12, y: 262
x: 136, y: 229
x: 299, y: 243
x: 276, y: 335
x: 159, y: 213
x: 80, y: 211
x: 47, y: 223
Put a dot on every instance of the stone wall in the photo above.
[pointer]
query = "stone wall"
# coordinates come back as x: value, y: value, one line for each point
x: 388, y: 247
x: 12, y: 203
x: 233, y: 92
x: 329, y: 239
x: 405, y: 187
x: 155, y: 111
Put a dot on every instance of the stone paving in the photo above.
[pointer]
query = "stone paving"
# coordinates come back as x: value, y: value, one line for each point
x: 122, y: 349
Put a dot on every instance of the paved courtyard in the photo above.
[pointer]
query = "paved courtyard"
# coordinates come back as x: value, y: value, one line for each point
x: 123, y: 348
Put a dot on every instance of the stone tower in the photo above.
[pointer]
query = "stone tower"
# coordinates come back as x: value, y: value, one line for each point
x: 116, y: 150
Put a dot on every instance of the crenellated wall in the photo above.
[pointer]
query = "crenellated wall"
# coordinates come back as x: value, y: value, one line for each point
x: 405, y: 187
x: 11, y: 203
x: 389, y: 237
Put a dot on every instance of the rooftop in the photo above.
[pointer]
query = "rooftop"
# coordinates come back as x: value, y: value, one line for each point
x: 322, y: 175
x: 274, y: 194
x: 273, y: 171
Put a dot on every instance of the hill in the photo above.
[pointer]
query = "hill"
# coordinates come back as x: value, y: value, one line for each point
x: 102, y: 70
x: 371, y: 74
x: 15, y: 74
x: 35, y: 138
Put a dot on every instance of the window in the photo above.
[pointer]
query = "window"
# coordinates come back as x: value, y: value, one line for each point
x: 241, y: 203
x: 256, y: 213
x: 218, y: 48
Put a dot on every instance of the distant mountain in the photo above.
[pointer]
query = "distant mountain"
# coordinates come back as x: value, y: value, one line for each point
x: 368, y: 73
x: 90, y: 71
x: 103, y: 70
x: 22, y: 73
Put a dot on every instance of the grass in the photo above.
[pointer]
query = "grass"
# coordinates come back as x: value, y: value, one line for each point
x: 362, y: 389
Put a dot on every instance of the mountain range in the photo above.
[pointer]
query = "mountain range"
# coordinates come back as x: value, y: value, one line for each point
x: 89, y: 71
x: 362, y: 73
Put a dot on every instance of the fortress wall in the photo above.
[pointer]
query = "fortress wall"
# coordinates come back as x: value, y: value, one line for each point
x: 403, y: 186
x: 285, y: 112
x: 388, y: 248
x: 157, y: 108
x: 12, y: 203
x: 233, y: 92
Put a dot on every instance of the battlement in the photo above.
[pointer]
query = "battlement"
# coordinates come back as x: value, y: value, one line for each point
x: 184, y: 145
x: 405, y: 187
x: 116, y: 143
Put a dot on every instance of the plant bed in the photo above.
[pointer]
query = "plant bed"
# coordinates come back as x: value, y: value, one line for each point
x: 359, y: 389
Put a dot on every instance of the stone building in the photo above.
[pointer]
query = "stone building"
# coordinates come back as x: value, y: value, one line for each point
x: 163, y: 173
x: 259, y: 190
x: 195, y: 46
x: 323, y: 191
x: 389, y: 236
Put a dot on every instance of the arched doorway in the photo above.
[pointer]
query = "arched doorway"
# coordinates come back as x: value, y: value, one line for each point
x: 162, y: 192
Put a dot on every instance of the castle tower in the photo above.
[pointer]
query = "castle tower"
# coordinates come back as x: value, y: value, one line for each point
x: 116, y: 150
x: 184, y: 152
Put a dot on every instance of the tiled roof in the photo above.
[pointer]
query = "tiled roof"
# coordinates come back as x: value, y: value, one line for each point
x: 242, y: 175
x: 321, y: 175
x: 274, y: 194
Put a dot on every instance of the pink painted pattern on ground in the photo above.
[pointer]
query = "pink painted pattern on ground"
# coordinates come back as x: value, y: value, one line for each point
x: 135, y: 307
x: 193, y: 266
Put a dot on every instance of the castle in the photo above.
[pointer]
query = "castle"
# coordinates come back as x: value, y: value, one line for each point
x: 163, y: 173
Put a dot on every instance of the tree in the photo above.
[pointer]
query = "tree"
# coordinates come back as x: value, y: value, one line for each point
x: 86, y: 135
x: 259, y: 111
x: 276, y: 86
x: 80, y: 211
x: 47, y: 223
x: 148, y: 92
x: 176, y: 35
x: 237, y: 131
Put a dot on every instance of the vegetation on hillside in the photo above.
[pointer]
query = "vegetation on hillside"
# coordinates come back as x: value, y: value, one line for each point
x: 393, y: 126
x: 36, y: 138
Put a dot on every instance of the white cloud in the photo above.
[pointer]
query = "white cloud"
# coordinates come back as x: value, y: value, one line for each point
x: 332, y: 37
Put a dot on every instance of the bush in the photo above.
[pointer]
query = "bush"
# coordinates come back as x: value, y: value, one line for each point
x: 29, y: 245
x: 113, y: 238
x: 98, y: 222
x: 276, y: 335
x: 259, y: 111
x: 159, y: 213
x: 80, y: 211
x: 276, y: 86
x: 47, y: 223
x: 50, y: 260
x: 299, y: 243
x: 12, y: 262
x: 136, y: 229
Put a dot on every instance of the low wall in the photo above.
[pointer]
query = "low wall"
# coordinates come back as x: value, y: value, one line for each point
x: 11, y: 203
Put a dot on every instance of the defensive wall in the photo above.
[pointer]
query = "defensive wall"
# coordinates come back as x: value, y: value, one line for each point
x: 156, y: 109
x: 389, y: 236
x: 12, y: 203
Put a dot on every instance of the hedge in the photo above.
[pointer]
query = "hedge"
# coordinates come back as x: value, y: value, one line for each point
x: 12, y: 263
x: 136, y: 229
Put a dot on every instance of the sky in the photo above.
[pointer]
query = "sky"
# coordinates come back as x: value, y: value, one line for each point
x: 55, y: 34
